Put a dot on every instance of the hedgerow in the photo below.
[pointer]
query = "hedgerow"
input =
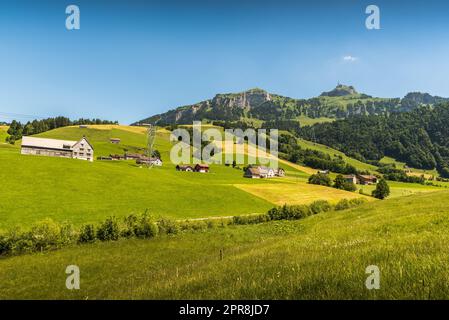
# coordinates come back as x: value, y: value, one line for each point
x: 50, y: 235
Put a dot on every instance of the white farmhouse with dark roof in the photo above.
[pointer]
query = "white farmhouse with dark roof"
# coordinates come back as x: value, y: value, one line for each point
x: 82, y: 149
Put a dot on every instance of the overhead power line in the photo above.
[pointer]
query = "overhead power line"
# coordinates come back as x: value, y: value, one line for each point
x: 15, y: 116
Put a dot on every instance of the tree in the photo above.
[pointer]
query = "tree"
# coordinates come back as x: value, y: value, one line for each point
x: 341, y: 183
x: 320, y: 179
x: 382, y: 190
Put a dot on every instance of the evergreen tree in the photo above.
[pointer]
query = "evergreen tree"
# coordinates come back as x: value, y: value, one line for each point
x: 382, y: 190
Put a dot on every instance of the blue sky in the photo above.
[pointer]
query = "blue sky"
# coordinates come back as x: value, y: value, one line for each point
x: 133, y: 59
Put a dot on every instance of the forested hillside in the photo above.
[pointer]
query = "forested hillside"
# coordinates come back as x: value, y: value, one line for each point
x: 420, y: 137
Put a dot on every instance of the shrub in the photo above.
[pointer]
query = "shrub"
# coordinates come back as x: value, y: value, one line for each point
x: 211, y: 224
x: 5, y: 245
x: 168, y: 226
x: 108, y: 230
x: 224, y: 222
x: 275, y: 213
x: 146, y: 227
x: 67, y: 234
x: 193, y: 225
x: 347, y: 204
x: 320, y: 179
x: 24, y: 245
x: 87, y: 234
x: 320, y: 206
x: 7, y: 241
x: 289, y: 212
x: 343, y: 205
x: 357, y: 202
x: 45, y: 235
x: 251, y: 219
x: 297, y: 212
x: 130, y: 226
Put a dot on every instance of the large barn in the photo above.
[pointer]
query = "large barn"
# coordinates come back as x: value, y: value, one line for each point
x: 82, y: 149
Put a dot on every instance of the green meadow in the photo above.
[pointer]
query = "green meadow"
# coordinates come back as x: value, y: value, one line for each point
x: 80, y: 192
x: 34, y: 188
x: 321, y: 257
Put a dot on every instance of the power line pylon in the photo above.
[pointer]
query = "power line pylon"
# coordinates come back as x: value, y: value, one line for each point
x: 151, y: 136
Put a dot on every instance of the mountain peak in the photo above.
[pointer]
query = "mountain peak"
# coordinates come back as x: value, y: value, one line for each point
x: 340, y: 91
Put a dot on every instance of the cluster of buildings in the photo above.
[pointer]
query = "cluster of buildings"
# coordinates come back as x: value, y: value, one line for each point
x: 140, y: 158
x: 203, y: 168
x: 361, y: 179
x: 81, y: 150
x: 364, y: 179
x: 257, y: 172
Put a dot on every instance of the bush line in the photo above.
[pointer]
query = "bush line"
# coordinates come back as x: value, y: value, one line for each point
x: 50, y: 235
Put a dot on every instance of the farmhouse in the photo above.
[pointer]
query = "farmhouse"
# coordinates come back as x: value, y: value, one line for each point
x: 263, y: 172
x: 184, y: 168
x: 351, y: 178
x: 203, y: 168
x: 280, y: 172
x: 116, y: 157
x: 367, y: 179
x: 266, y: 172
x: 150, y: 161
x: 252, y: 172
x: 82, y: 149
x: 133, y: 156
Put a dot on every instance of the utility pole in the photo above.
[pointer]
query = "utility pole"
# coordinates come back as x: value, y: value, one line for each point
x: 151, y: 135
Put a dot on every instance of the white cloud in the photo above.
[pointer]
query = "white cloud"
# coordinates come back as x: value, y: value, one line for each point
x: 350, y: 58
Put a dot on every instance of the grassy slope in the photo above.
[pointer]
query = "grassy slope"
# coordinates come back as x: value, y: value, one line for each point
x: 76, y: 191
x: 416, y: 172
x: 399, y: 189
x: 306, y: 121
x: 37, y: 187
x: 298, y: 193
x: 3, y: 134
x: 81, y: 192
x: 321, y: 257
x: 332, y: 152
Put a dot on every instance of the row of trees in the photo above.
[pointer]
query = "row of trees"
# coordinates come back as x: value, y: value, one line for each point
x: 17, y: 129
x: 339, y: 182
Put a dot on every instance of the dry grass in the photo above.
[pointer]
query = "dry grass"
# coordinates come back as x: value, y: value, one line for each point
x: 298, y: 193
x: 116, y: 126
